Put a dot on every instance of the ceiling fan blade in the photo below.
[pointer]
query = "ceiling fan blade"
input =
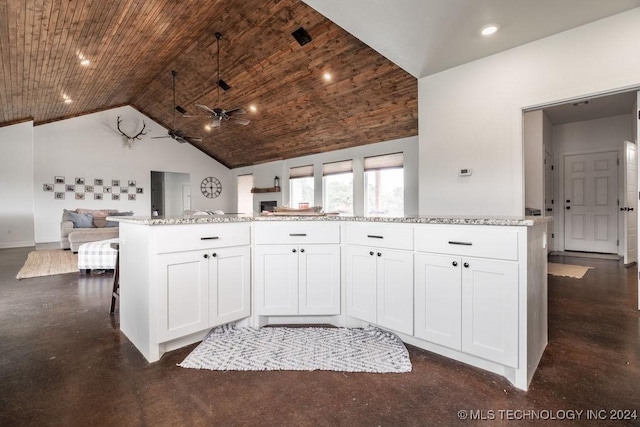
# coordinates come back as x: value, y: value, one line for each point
x: 236, y: 111
x: 193, y: 138
x: 205, y: 108
x: 239, y: 121
x: 160, y: 137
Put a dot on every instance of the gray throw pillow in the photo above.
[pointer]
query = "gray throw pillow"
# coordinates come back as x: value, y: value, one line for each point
x: 114, y: 223
x: 80, y: 220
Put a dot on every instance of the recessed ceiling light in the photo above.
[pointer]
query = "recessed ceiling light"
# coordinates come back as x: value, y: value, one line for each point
x: 487, y: 30
x: 85, y: 62
x: 207, y: 128
x: 327, y: 76
x: 253, y: 108
x: 68, y: 100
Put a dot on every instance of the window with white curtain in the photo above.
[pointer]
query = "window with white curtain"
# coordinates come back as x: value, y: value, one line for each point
x: 384, y: 185
x: 337, y: 183
x: 301, y: 186
x: 245, y: 196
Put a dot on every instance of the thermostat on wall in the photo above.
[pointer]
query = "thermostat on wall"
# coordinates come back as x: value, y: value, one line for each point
x: 465, y: 172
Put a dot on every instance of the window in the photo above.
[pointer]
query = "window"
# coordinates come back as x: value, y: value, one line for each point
x: 337, y: 181
x: 384, y: 185
x: 301, y: 186
x: 245, y: 197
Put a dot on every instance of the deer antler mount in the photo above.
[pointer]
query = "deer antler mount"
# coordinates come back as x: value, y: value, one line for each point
x: 129, y: 139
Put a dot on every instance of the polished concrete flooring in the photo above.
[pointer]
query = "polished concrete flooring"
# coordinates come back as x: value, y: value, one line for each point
x: 63, y: 361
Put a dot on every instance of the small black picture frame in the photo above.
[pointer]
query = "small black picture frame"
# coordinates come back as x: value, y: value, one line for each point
x: 59, y: 195
x: 132, y: 183
x: 70, y: 188
x: 115, y: 183
x: 97, y: 181
x: 58, y: 180
x: 124, y: 189
x: 106, y: 189
x: 115, y: 196
x: 88, y: 188
x: 139, y: 190
x: 97, y: 196
x: 47, y: 187
x: 79, y: 181
x: 79, y: 196
x: 132, y: 196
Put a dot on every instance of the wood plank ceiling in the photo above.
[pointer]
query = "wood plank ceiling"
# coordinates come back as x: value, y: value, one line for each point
x: 133, y: 45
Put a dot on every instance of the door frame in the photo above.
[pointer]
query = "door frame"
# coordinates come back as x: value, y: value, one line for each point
x: 560, y: 214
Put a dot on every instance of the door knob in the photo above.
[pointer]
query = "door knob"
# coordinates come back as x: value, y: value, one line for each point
x: 301, y: 250
x: 205, y: 256
x: 214, y: 254
x: 293, y: 250
x: 549, y: 209
x: 466, y: 265
x: 568, y: 201
x: 630, y: 209
x: 371, y: 253
x: 454, y: 263
x: 568, y: 207
x: 379, y: 253
x: 624, y: 209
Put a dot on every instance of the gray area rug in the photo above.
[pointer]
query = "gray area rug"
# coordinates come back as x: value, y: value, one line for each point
x: 230, y: 348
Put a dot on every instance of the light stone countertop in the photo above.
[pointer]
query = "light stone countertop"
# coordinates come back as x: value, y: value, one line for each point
x: 214, y: 219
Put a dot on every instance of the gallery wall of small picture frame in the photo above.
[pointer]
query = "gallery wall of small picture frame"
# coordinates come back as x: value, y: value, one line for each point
x: 98, y: 188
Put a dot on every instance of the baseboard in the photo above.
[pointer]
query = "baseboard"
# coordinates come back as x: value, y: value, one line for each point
x: 9, y: 245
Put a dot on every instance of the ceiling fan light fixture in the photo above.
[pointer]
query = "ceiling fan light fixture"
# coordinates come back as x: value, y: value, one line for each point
x: 301, y: 36
x: 253, y: 108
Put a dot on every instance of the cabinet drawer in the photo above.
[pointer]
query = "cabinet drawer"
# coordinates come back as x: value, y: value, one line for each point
x: 393, y: 236
x: 486, y: 242
x: 296, y: 232
x: 175, y: 238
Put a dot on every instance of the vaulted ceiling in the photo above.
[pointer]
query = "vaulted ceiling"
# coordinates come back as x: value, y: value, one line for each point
x: 133, y: 45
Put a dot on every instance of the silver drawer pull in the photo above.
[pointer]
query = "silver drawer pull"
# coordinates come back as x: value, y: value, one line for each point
x: 209, y: 238
x: 451, y: 242
x: 373, y: 236
x: 298, y: 234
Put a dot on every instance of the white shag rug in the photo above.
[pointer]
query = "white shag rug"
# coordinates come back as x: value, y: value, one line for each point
x: 230, y: 348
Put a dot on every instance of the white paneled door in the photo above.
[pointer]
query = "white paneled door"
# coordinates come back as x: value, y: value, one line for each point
x: 591, y: 202
x: 630, y: 203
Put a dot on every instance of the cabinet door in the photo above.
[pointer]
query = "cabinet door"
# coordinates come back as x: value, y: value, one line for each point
x: 183, y: 294
x: 395, y: 290
x: 229, y: 285
x: 490, y: 310
x: 438, y: 295
x: 276, y: 279
x: 319, y: 273
x: 361, y: 283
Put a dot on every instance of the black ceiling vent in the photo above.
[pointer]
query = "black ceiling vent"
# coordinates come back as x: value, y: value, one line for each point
x: 223, y: 85
x: 180, y: 110
x: 301, y: 36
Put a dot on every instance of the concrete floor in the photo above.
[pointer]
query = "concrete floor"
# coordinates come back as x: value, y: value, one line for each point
x: 63, y: 361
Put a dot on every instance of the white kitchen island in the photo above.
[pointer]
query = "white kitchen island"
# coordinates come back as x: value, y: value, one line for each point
x: 474, y: 290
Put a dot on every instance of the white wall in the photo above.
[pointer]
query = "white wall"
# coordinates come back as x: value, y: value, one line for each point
x: 471, y: 116
x: 91, y: 147
x: 173, y: 189
x: 263, y: 174
x: 607, y: 134
x: 16, y: 191
x: 534, y: 159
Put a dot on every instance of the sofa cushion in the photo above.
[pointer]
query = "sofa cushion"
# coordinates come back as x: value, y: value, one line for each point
x: 116, y: 223
x: 79, y: 220
x: 99, y: 215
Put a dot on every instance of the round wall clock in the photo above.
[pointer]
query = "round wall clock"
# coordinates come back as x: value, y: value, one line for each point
x: 211, y: 187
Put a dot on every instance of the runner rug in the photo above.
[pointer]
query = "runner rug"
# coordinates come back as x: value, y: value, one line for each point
x: 48, y: 263
x: 230, y: 348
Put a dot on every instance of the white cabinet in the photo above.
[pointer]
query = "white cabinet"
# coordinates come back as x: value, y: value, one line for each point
x: 438, y: 296
x: 300, y: 275
x: 468, y: 303
x: 380, y: 279
x: 201, y: 289
x: 490, y: 310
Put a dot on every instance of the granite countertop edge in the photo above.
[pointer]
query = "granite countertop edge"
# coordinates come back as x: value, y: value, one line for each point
x: 215, y: 219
